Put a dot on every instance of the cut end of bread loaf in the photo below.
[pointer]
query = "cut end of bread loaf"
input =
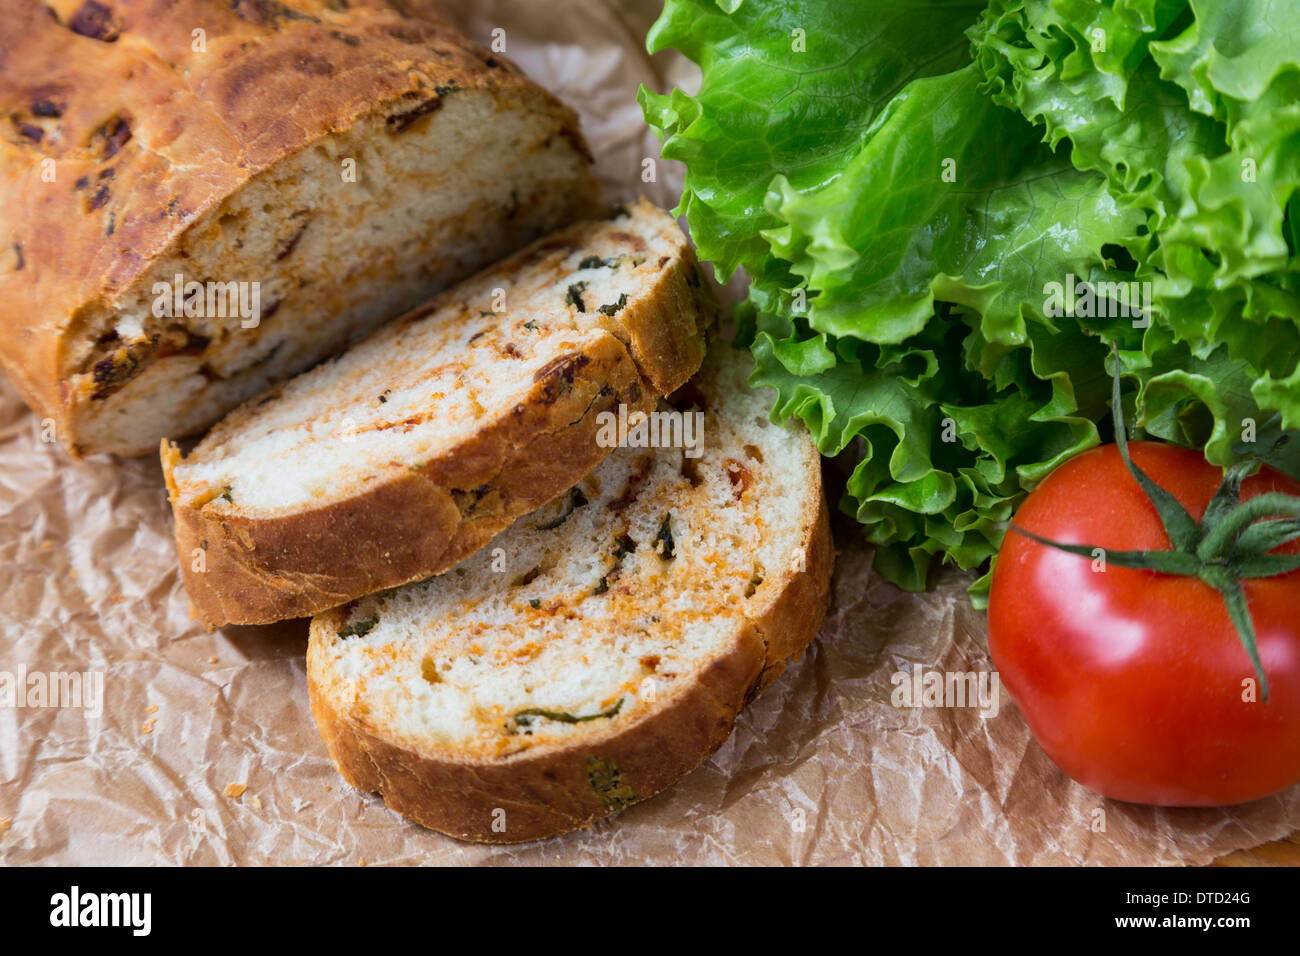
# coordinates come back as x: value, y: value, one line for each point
x: 331, y: 261
x: 244, y: 211
x: 409, y: 451
x: 606, y: 643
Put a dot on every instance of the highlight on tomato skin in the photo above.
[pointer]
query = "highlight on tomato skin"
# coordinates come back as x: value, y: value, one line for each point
x: 1134, y: 682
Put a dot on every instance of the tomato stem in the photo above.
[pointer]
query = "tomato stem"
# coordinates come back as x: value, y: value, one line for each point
x: 1232, y: 542
x: 1223, y: 536
x: 1180, y: 527
x: 1234, y: 596
x: 1267, y: 535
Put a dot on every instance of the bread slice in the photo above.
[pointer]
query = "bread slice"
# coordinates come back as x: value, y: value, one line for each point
x: 309, y: 169
x: 408, y: 452
x: 600, y: 648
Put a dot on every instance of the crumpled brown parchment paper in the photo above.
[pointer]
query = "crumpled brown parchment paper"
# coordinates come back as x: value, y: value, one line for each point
x: 821, y: 769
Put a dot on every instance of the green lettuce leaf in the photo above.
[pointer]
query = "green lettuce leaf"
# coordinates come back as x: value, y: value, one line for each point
x: 904, y: 202
x: 788, y: 88
x: 1204, y: 141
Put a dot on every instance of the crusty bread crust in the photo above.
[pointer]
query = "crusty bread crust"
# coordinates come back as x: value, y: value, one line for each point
x: 546, y: 791
x: 149, y: 136
x: 667, y: 333
x: 245, y: 569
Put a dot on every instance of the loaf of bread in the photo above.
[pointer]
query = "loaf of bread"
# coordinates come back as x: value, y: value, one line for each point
x: 201, y: 197
x: 603, y: 646
x: 410, y: 450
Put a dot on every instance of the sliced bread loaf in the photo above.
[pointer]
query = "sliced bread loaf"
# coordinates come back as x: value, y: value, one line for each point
x: 199, y: 198
x: 600, y: 648
x: 409, y: 451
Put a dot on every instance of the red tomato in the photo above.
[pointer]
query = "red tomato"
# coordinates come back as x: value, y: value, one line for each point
x: 1132, y: 681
